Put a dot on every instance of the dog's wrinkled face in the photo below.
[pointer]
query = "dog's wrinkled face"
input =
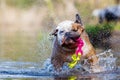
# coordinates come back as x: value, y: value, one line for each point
x: 64, y: 30
x: 67, y: 33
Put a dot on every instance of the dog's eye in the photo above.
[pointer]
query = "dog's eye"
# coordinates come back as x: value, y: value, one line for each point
x: 74, y: 30
x: 61, y: 32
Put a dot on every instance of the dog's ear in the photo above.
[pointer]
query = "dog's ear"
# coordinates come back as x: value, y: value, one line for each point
x: 78, y: 19
x: 54, y: 32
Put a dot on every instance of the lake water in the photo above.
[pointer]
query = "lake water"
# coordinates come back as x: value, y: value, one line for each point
x: 11, y: 70
x: 14, y: 70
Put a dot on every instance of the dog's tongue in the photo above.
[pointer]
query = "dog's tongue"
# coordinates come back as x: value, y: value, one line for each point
x: 80, y: 44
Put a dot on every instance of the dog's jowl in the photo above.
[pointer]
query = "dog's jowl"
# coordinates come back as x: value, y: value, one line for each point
x: 65, y: 43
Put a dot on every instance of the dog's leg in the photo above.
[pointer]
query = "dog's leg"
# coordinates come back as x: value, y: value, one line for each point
x: 92, y: 58
x: 57, y: 62
x: 93, y: 63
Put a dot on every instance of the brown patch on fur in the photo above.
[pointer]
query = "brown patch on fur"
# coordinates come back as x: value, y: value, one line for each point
x: 77, y: 27
x: 91, y: 51
x: 84, y: 36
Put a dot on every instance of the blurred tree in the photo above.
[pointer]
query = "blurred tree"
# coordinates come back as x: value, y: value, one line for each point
x: 100, y: 35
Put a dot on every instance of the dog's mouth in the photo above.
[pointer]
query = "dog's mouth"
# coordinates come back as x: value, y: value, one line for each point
x: 70, y: 40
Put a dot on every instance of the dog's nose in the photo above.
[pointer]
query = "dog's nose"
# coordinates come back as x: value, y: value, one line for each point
x: 72, y: 34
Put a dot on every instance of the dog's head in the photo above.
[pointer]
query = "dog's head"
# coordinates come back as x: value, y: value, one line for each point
x: 67, y: 32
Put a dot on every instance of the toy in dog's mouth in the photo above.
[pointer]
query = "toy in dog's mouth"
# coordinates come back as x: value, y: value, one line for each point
x: 70, y: 40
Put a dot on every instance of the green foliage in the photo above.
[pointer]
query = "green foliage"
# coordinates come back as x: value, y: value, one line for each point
x: 117, y: 27
x: 21, y: 3
x: 99, y: 34
x: 99, y: 28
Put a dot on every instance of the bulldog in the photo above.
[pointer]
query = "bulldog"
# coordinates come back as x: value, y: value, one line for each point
x: 65, y: 44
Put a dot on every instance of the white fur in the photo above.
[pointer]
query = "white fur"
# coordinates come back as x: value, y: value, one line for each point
x: 65, y: 26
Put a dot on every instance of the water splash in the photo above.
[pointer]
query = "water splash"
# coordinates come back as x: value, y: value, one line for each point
x: 28, y: 69
x: 13, y: 69
x: 106, y: 62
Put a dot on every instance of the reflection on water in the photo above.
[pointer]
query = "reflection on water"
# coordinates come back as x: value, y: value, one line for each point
x: 23, y: 46
x: 17, y: 46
